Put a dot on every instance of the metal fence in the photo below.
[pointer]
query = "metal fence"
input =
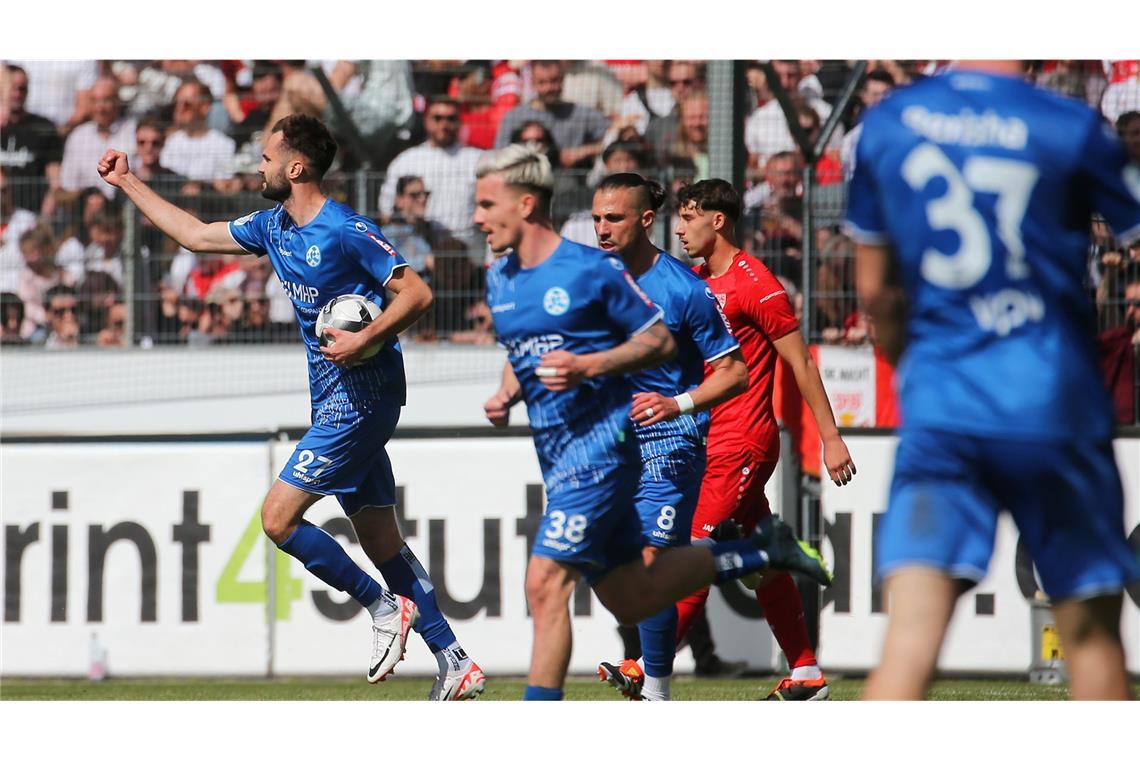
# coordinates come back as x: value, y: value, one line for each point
x: 79, y: 267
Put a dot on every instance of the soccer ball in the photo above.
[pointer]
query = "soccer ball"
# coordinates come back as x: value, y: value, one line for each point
x: 350, y: 312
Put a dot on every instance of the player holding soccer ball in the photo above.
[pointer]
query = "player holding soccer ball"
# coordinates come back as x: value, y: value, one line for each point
x: 970, y: 207
x: 321, y: 249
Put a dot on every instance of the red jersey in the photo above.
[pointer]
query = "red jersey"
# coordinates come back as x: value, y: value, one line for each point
x: 759, y: 310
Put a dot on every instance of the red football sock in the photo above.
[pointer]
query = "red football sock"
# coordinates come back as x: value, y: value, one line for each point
x: 688, y: 609
x: 785, y: 614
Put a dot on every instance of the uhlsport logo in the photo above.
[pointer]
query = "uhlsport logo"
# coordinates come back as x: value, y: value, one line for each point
x: 361, y: 226
x: 556, y: 302
x: 244, y: 219
x: 313, y: 256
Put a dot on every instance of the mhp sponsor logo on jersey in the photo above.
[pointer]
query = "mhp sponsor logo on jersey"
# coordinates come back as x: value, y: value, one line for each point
x: 556, y: 301
x: 300, y: 292
x: 536, y: 345
x: 313, y: 256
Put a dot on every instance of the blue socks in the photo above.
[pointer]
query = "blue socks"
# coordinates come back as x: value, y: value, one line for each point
x: 326, y: 559
x: 541, y: 694
x: 659, y: 642
x: 407, y: 577
x: 737, y: 558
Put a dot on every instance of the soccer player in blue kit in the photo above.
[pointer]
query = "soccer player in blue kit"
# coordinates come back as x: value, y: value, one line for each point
x: 670, y: 404
x: 321, y: 249
x: 970, y: 205
x: 574, y: 323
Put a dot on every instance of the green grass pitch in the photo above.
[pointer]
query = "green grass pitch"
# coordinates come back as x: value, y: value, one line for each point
x: 416, y: 689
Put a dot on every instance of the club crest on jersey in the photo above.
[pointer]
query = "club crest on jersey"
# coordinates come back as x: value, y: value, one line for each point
x: 722, y: 299
x: 313, y: 256
x: 382, y: 243
x: 556, y: 302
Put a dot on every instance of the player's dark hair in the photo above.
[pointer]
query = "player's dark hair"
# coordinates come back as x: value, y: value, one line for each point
x: 14, y: 69
x: 711, y: 195
x: 652, y: 194
x: 311, y: 138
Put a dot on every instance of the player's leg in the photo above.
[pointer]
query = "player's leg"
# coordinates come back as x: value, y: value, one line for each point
x: 379, y: 535
x: 549, y: 585
x: 779, y: 597
x: 921, y: 603
x: 336, y: 459
x: 1069, y: 509
x: 935, y: 539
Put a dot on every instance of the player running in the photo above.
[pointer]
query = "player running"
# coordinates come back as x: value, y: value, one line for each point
x: 574, y: 323
x: 669, y: 405
x: 744, y: 440
x: 320, y: 249
x: 970, y: 204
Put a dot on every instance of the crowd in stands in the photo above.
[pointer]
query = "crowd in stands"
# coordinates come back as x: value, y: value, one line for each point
x: 414, y: 131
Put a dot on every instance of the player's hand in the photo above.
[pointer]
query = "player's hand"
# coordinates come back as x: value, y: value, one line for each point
x: 347, y: 349
x: 650, y: 408
x: 562, y: 370
x: 113, y: 167
x: 498, y: 408
x: 837, y: 460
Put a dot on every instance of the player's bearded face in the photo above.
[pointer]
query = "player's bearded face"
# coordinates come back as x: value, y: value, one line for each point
x: 617, y: 222
x: 276, y: 186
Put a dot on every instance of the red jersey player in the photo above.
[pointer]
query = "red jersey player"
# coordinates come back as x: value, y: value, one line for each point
x: 744, y: 440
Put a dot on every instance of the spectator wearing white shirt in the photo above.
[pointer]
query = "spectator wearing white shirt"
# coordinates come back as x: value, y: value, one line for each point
x: 59, y: 90
x: 194, y: 150
x: 89, y: 141
x: 766, y: 129
x: 447, y: 169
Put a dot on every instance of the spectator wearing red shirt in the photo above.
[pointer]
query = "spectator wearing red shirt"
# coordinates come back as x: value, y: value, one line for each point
x: 744, y: 439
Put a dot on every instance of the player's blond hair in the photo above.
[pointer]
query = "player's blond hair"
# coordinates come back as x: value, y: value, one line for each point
x: 522, y: 166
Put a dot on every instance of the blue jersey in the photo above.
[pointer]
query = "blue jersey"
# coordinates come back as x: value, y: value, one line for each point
x: 702, y: 334
x: 579, y: 300
x: 338, y: 252
x: 983, y: 185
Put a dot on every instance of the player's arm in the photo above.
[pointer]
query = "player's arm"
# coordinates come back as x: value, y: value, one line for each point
x: 498, y: 407
x: 836, y: 458
x: 562, y: 370
x: 880, y: 299
x: 729, y: 377
x: 187, y: 230
x: 412, y: 298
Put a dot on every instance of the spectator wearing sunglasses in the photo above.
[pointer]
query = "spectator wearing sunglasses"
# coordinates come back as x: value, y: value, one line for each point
x: 447, y: 170
x: 62, y: 328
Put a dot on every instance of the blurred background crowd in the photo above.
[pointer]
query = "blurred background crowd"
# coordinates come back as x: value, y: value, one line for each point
x: 79, y: 267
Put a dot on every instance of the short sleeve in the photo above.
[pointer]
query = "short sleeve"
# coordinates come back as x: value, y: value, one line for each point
x: 1111, y: 182
x: 708, y: 325
x: 251, y: 231
x: 766, y: 303
x: 624, y: 302
x: 362, y: 240
x: 864, y: 221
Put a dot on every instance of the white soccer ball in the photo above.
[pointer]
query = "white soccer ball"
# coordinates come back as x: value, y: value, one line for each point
x: 350, y: 312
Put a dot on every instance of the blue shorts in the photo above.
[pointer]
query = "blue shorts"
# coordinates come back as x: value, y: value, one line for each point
x: 590, y: 521
x: 1065, y: 498
x: 671, y: 474
x: 347, y: 459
